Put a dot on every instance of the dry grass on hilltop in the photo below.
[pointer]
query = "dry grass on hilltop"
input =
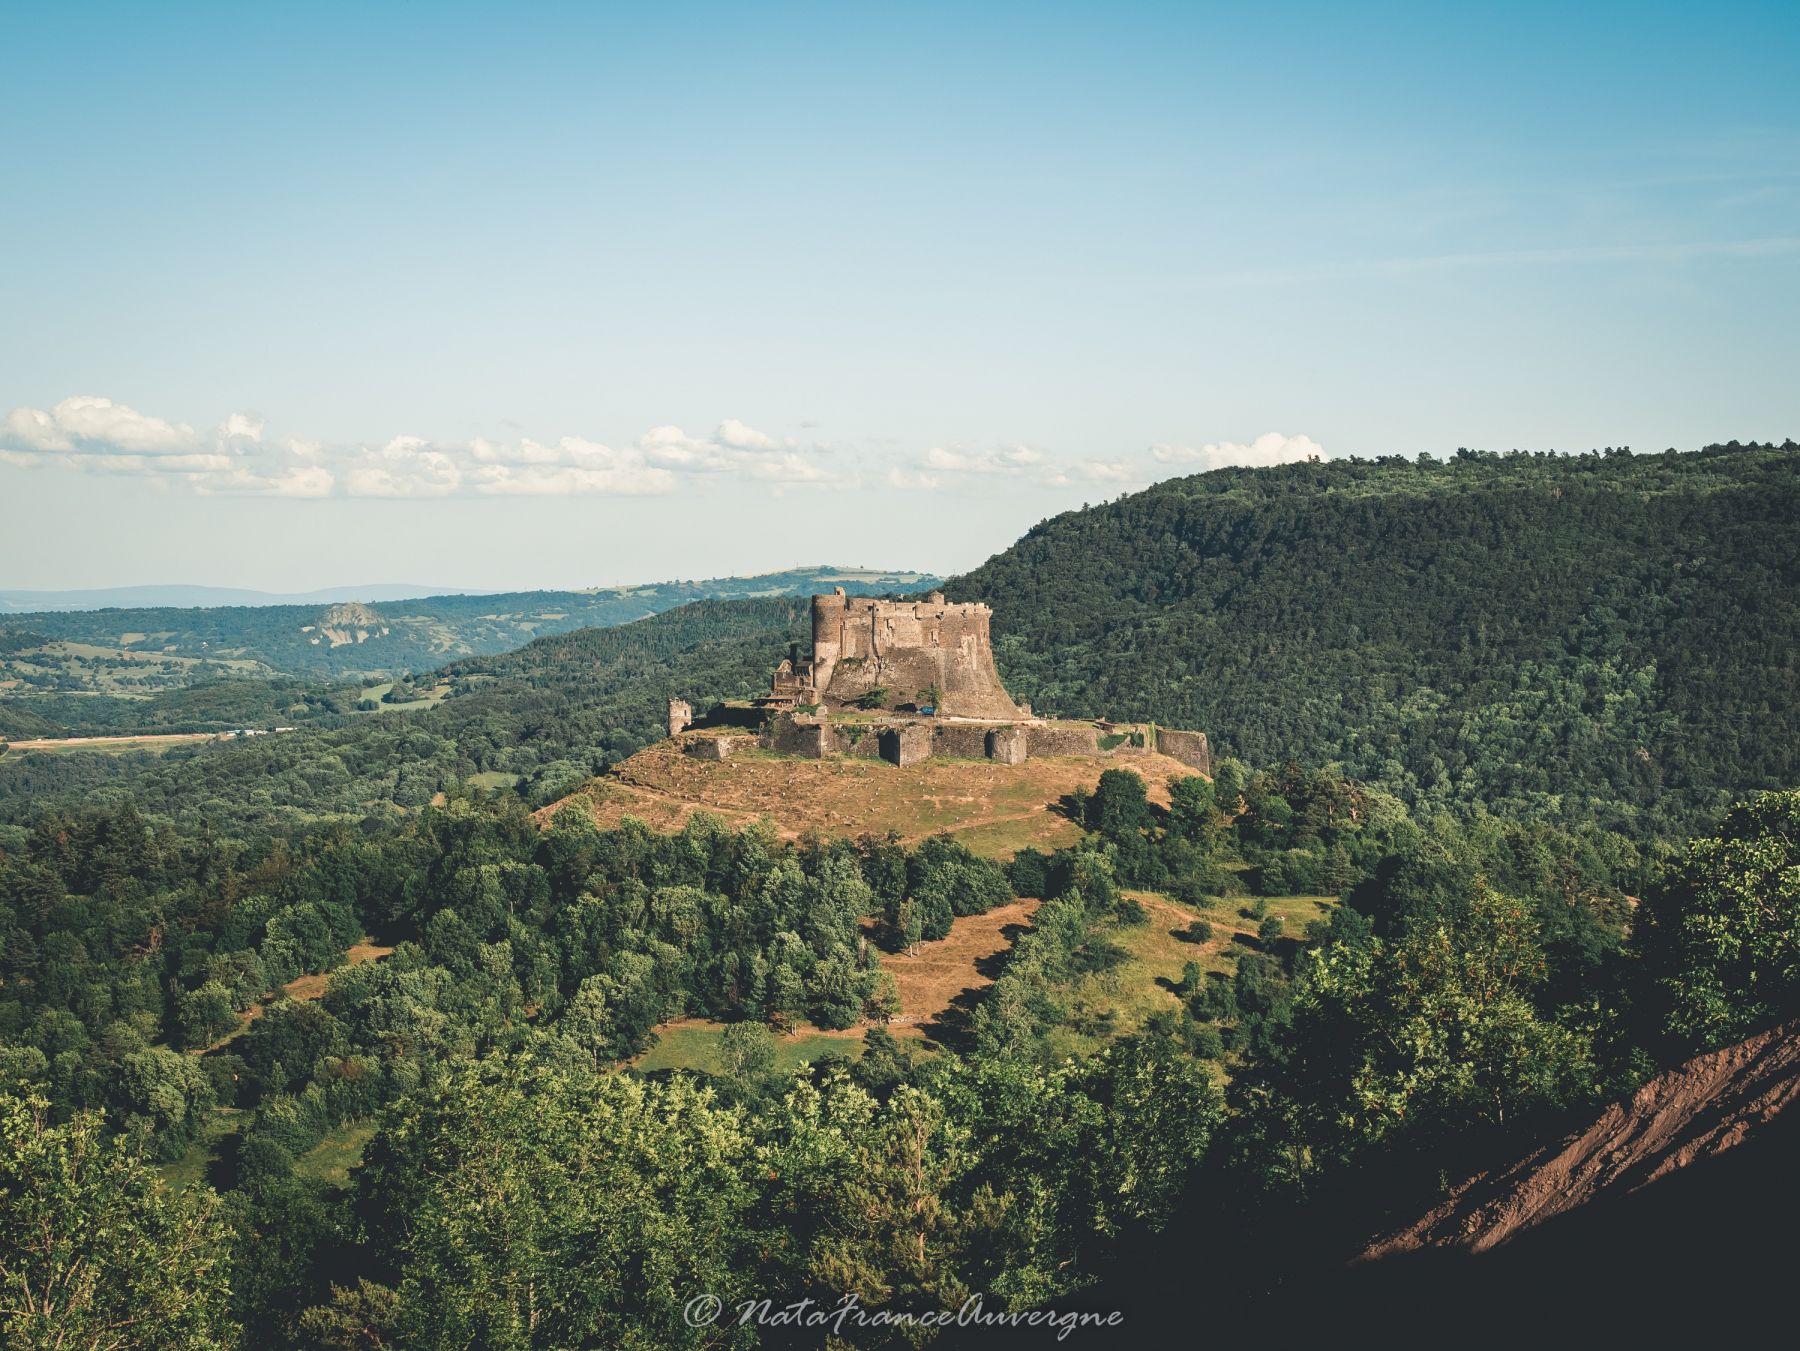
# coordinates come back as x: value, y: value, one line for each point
x: 994, y: 809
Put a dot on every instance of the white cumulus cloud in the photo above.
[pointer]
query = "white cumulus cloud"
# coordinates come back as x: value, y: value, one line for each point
x: 945, y: 466
x: 96, y: 435
x: 1002, y: 460
x: 246, y: 427
x: 89, y: 425
x: 736, y: 447
x: 675, y: 449
x: 1267, y: 449
x: 239, y: 456
x: 88, y: 434
x: 572, y: 466
x: 740, y: 436
x: 291, y: 480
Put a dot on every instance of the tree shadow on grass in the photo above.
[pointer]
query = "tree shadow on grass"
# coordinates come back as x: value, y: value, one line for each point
x: 955, y: 1026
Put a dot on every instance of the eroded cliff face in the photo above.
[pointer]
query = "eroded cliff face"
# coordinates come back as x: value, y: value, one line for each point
x: 1706, y: 1108
x: 347, y: 622
x: 1659, y: 1220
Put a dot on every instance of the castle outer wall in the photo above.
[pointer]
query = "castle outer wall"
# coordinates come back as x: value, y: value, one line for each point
x: 926, y: 656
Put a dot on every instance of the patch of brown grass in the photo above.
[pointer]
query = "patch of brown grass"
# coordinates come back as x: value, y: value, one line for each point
x: 933, y: 975
x: 995, y: 809
x: 63, y: 743
x: 930, y: 980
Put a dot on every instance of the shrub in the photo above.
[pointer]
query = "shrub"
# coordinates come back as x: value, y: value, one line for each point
x: 1207, y: 1042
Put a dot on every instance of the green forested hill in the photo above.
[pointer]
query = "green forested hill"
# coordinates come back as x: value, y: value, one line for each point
x: 1600, y: 636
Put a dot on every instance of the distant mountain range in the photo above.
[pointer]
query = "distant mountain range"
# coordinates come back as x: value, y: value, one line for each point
x: 193, y: 597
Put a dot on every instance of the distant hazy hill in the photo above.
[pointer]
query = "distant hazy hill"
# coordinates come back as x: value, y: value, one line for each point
x: 133, y: 651
x: 185, y: 597
x: 546, y: 716
x: 1605, y: 636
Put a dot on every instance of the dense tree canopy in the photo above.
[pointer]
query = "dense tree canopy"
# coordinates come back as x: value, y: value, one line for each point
x: 1606, y: 637
x: 95, y: 1250
x: 1722, y: 932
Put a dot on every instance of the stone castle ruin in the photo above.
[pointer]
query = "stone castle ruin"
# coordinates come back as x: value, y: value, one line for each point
x: 903, y: 681
x: 904, y: 655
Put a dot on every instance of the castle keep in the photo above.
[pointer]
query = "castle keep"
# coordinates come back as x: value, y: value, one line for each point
x: 894, y: 654
x: 903, y: 681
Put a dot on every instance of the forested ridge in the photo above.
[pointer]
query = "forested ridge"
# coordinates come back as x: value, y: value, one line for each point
x: 1605, y: 637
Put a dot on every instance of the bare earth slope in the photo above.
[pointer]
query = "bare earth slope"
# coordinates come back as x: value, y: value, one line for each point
x: 1667, y: 1219
x: 1698, y: 1111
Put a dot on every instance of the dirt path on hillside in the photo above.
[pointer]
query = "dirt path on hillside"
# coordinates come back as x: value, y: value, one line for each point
x: 300, y: 988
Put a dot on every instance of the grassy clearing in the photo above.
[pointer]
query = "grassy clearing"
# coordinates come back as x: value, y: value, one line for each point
x: 1158, y: 952
x: 431, y: 700
x: 1001, y: 839
x: 493, y: 778
x: 301, y: 988
x: 930, y: 981
x: 932, y: 977
x: 331, y: 1160
x: 157, y: 743
x: 693, y: 1044
x: 1234, y: 930
x: 379, y: 692
x: 193, y: 1166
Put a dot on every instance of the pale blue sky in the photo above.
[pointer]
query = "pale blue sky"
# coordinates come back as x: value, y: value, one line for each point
x: 296, y: 296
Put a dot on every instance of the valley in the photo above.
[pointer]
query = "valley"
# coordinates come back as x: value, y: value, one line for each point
x: 115, y: 650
